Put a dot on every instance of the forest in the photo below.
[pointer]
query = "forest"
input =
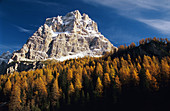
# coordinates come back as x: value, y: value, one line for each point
x: 125, y: 80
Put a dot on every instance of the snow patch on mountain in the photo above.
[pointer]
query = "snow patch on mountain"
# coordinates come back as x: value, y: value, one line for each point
x: 55, y: 34
x: 76, y: 56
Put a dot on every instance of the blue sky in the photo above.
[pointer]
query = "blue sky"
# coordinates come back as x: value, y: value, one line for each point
x: 121, y: 21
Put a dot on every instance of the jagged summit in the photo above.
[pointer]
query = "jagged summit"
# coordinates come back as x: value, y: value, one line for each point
x: 64, y: 37
x: 61, y: 36
x: 73, y: 22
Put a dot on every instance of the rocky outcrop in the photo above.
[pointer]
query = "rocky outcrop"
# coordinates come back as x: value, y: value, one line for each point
x: 5, y: 57
x: 63, y: 37
x: 23, y: 66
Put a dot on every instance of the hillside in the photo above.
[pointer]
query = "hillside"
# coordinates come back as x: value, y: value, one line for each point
x: 134, y: 78
x: 150, y: 47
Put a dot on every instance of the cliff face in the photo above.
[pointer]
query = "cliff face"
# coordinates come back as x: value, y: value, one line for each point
x: 73, y: 35
x: 61, y: 38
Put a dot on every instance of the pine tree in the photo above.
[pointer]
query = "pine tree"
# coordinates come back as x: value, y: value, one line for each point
x: 165, y: 68
x: 135, y: 78
x: 7, y: 88
x: 148, y: 75
x: 121, y: 47
x: 106, y: 67
x: 146, y: 63
x: 117, y: 83
x: 106, y: 80
x: 24, y: 100
x: 84, y: 71
x: 156, y: 66
x: 40, y: 86
x: 78, y: 84
x: 99, y: 70
x: 79, y: 71
x: 55, y: 93
x: 15, y: 100
x: 124, y: 74
x: 154, y: 84
x: 141, y: 41
x: 70, y: 75
x: 112, y: 73
x: 153, y: 69
x: 165, y: 72
x: 132, y: 45
x: 25, y: 85
x: 99, y: 88
x: 49, y: 76
x: 138, y: 67
x: 129, y: 59
x: 71, y: 89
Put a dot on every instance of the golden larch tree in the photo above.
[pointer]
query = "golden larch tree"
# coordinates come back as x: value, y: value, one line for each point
x: 55, y: 93
x: 71, y: 89
x: 7, y: 88
x: 84, y: 71
x: 99, y: 70
x: 78, y: 84
x: 112, y: 73
x: 146, y: 63
x: 154, y: 84
x: 138, y: 67
x: 49, y: 76
x: 165, y: 69
x: 15, y: 100
x: 117, y: 83
x: 135, y: 77
x: 106, y: 67
x: 107, y: 80
x: 70, y: 74
x: 124, y: 74
x: 99, y: 87
x: 148, y: 75
x: 79, y: 71
x: 129, y: 58
x: 40, y: 86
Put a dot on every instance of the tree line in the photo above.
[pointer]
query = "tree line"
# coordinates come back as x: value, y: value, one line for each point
x: 86, y: 83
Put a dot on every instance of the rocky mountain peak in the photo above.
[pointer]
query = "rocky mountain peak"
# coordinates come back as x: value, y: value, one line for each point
x: 73, y: 22
x: 64, y: 37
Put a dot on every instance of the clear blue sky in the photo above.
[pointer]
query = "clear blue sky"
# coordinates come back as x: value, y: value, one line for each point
x: 121, y: 21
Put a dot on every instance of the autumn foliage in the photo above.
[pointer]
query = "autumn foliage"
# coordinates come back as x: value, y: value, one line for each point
x: 85, y: 80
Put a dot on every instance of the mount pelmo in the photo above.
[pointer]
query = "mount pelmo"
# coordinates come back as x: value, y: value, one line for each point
x: 61, y: 38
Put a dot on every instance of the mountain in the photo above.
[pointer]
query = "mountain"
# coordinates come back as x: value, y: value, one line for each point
x: 5, y: 57
x: 61, y: 38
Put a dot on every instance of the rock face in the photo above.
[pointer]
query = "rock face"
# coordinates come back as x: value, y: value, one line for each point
x: 3, y: 61
x: 64, y: 37
x: 5, y: 57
